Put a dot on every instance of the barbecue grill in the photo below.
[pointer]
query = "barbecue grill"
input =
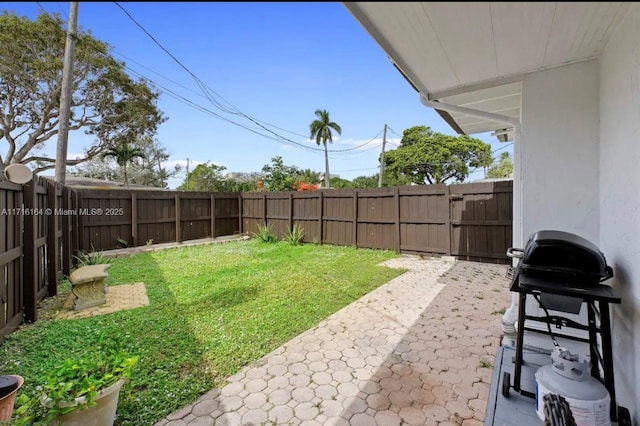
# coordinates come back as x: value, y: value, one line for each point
x: 563, y: 271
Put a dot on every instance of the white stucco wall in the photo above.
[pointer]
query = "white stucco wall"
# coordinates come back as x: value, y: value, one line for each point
x: 559, y: 150
x: 620, y: 196
x: 556, y: 170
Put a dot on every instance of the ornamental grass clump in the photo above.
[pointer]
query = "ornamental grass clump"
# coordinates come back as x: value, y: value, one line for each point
x: 266, y: 234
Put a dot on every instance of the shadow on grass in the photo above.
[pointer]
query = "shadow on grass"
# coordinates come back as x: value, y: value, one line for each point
x: 171, y: 371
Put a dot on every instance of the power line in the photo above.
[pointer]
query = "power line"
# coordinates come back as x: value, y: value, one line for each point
x: 205, y: 89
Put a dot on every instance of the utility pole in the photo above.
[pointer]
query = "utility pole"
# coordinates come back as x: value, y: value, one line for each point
x: 384, y: 142
x: 188, y: 174
x: 66, y: 95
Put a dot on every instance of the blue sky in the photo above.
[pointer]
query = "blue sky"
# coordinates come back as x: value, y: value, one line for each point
x: 275, y: 62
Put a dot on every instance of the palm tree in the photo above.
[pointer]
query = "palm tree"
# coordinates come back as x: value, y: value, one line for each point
x: 321, y: 131
x: 124, y: 154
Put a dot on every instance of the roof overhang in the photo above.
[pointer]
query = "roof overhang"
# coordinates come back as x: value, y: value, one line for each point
x: 476, y: 54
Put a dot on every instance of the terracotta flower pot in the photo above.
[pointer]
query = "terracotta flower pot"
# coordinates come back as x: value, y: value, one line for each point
x: 7, y: 402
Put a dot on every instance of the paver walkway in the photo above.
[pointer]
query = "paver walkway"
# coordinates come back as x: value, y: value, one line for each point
x: 417, y: 350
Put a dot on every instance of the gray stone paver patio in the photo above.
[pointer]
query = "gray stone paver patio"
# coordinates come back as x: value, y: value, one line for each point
x: 417, y: 351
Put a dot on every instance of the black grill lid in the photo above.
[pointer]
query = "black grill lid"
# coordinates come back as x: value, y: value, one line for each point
x: 564, y: 253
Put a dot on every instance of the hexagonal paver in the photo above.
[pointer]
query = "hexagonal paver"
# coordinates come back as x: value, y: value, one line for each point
x: 233, y: 389
x: 255, y: 417
x: 229, y: 419
x: 355, y: 405
x: 303, y: 394
x: 280, y: 414
x: 331, y: 408
x: 378, y: 402
x: 230, y: 404
x: 255, y: 400
x: 347, y: 389
x: 387, y: 418
x: 362, y: 419
x: 412, y: 416
x: 255, y: 385
x: 204, y: 408
x: 306, y: 411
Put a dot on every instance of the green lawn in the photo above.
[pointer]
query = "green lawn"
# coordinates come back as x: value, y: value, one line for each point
x: 214, y: 309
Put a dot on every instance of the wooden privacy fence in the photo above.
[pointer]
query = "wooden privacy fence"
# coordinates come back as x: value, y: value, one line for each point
x: 42, y: 225
x: 109, y: 219
x: 471, y: 221
x: 33, y: 255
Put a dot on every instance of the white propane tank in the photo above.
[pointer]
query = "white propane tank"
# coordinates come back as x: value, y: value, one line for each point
x: 568, y: 376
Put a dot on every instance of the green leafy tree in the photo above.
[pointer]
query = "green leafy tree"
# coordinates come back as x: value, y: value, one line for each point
x: 503, y: 169
x: 366, y: 181
x: 280, y: 177
x: 124, y: 154
x: 321, y: 131
x: 340, y: 183
x: 425, y: 156
x: 107, y: 103
x: 149, y: 171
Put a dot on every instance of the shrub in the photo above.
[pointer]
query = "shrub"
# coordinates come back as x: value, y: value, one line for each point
x: 76, y: 378
x: 295, y: 235
x: 91, y: 258
x: 266, y: 234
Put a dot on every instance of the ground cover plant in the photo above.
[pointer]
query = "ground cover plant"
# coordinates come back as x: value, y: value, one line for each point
x: 214, y: 308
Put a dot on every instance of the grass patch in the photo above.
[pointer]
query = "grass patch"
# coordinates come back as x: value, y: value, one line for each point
x: 485, y: 364
x: 214, y: 309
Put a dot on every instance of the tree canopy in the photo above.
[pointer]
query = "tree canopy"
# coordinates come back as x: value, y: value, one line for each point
x: 149, y: 170
x: 503, y: 169
x: 427, y: 157
x: 106, y: 103
x: 209, y: 177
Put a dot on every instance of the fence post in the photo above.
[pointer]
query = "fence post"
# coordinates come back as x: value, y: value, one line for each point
x: 320, y: 218
x: 447, y: 197
x: 134, y: 219
x: 66, y: 230
x: 396, y: 195
x: 291, y: 210
x: 355, y: 217
x: 213, y: 216
x: 30, y: 255
x: 264, y: 209
x: 178, y: 230
x: 53, y: 249
x: 240, y: 213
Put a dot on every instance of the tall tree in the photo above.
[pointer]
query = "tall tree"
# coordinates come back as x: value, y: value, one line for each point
x: 124, y: 154
x: 503, y: 169
x: 425, y: 156
x: 321, y: 131
x: 107, y: 103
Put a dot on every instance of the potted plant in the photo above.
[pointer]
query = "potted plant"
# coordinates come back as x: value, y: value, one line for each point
x: 81, y: 391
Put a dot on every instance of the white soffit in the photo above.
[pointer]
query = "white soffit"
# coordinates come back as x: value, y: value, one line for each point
x: 503, y: 100
x: 460, y: 52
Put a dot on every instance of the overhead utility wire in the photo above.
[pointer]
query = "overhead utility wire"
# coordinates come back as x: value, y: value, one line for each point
x: 201, y: 108
x: 206, y: 89
x: 198, y: 107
